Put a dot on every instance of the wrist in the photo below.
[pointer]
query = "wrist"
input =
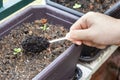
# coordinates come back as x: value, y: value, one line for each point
x: 117, y: 31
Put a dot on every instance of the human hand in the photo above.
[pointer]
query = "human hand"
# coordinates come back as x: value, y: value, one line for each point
x: 96, y: 30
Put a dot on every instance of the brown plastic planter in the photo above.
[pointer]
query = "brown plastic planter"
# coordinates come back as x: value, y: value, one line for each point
x: 114, y: 11
x: 65, y: 8
x: 72, y: 11
x: 63, y: 67
x: 66, y: 21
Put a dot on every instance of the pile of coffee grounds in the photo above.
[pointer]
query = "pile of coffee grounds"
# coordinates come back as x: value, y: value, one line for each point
x: 35, y: 44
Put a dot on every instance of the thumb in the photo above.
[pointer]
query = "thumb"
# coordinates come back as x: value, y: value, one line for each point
x: 80, y: 34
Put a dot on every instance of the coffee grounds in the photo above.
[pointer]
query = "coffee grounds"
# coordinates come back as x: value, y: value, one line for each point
x: 35, y: 44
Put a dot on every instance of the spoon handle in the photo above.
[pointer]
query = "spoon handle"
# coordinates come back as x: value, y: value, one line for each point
x: 56, y: 40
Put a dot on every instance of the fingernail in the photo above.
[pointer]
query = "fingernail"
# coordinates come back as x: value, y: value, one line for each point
x: 67, y: 36
x: 78, y: 43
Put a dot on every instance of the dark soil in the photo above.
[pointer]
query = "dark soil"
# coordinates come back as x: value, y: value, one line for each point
x: 35, y: 44
x: 88, y: 5
x: 25, y: 65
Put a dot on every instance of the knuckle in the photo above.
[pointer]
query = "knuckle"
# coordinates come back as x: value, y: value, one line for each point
x: 91, y: 13
x: 89, y: 16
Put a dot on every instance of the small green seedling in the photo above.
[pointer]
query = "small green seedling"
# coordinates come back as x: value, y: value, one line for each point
x: 76, y: 6
x: 44, y: 27
x: 17, y: 50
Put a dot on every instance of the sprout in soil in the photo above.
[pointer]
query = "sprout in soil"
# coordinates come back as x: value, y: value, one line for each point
x: 44, y: 27
x: 76, y: 6
x: 17, y: 50
x: 35, y: 44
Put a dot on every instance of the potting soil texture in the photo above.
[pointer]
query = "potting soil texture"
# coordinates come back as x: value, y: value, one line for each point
x: 18, y: 64
x: 87, y: 5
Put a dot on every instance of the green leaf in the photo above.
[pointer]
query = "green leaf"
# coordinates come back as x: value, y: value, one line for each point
x: 15, y: 53
x: 44, y: 27
x: 17, y: 50
x: 76, y: 6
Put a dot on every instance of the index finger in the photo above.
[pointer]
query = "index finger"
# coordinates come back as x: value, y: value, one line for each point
x: 79, y: 24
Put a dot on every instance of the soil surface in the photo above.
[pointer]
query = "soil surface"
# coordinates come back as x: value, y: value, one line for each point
x: 25, y: 65
x: 35, y: 44
x: 88, y: 5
